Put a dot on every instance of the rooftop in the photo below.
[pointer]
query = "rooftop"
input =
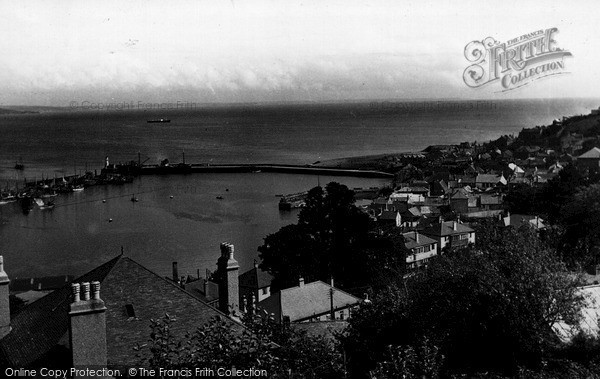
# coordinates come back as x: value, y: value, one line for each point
x: 40, y: 326
x: 305, y: 301
x: 410, y: 240
x: 593, y: 153
x: 446, y: 228
x: 255, y: 278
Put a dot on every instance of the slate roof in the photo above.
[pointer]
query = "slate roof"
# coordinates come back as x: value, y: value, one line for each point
x: 410, y: 240
x: 446, y: 229
x: 487, y: 178
x: 45, y: 283
x: 459, y: 195
x: 308, y: 300
x: 40, y: 326
x: 36, y: 329
x: 388, y: 215
x: 490, y: 200
x: 592, y: 153
x: 255, y: 278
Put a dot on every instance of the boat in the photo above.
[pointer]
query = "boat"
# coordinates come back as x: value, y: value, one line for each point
x: 219, y: 197
x: 159, y: 120
x: 42, y: 205
x: 78, y: 188
x: 134, y: 199
x: 7, y: 200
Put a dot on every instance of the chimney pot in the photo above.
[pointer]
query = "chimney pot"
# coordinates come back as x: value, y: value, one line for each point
x: 301, y: 282
x: 175, y: 272
x: 227, y: 250
x: 96, y: 290
x: 85, y: 289
x: 75, y: 289
x: 87, y: 327
x: 454, y: 225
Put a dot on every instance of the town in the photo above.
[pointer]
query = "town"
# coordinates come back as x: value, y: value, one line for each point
x: 353, y: 276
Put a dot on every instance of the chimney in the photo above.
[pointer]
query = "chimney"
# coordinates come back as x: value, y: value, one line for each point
x: 4, y: 301
x: 228, y: 280
x: 301, y: 282
x: 87, y: 326
x: 416, y: 237
x: 454, y: 225
x: 175, y: 272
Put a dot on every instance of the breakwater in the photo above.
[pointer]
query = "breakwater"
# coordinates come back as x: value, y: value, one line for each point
x: 273, y: 168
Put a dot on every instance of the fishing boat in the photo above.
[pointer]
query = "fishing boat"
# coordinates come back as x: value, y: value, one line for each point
x: 78, y: 188
x: 7, y: 200
x: 43, y: 205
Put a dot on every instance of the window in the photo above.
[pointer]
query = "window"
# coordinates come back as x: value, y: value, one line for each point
x: 130, y: 311
x: 265, y: 290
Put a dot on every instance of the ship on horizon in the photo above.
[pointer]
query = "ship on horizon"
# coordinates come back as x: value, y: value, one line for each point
x: 159, y: 120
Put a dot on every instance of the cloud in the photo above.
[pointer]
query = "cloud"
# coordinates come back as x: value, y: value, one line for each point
x: 266, y: 50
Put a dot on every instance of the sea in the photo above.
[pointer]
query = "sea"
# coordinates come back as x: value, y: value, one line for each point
x: 184, y: 218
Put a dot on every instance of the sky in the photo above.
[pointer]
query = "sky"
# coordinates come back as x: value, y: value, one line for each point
x: 228, y: 51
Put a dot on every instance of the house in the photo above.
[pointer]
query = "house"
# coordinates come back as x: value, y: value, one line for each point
x: 590, y: 159
x: 63, y: 327
x: 484, y: 181
x: 450, y: 234
x: 489, y: 202
x: 410, y: 218
x: 392, y: 218
x: 420, y: 249
x: 466, y: 180
x: 459, y: 201
x: 315, y: 301
x: 518, y: 220
x: 255, y: 285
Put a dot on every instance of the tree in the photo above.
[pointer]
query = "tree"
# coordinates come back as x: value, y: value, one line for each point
x: 491, y: 307
x: 261, y: 344
x: 325, y: 243
x: 581, y: 217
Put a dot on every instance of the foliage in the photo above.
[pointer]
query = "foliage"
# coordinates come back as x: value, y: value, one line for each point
x: 331, y: 239
x: 410, y: 362
x: 261, y: 344
x: 486, y: 308
x: 581, y: 216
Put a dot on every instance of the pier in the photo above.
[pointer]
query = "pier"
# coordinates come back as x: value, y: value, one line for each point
x: 248, y: 168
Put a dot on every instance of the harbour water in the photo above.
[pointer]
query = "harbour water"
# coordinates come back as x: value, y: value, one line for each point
x: 76, y: 235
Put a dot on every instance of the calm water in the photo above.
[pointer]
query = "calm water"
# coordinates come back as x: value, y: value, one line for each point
x: 76, y: 236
